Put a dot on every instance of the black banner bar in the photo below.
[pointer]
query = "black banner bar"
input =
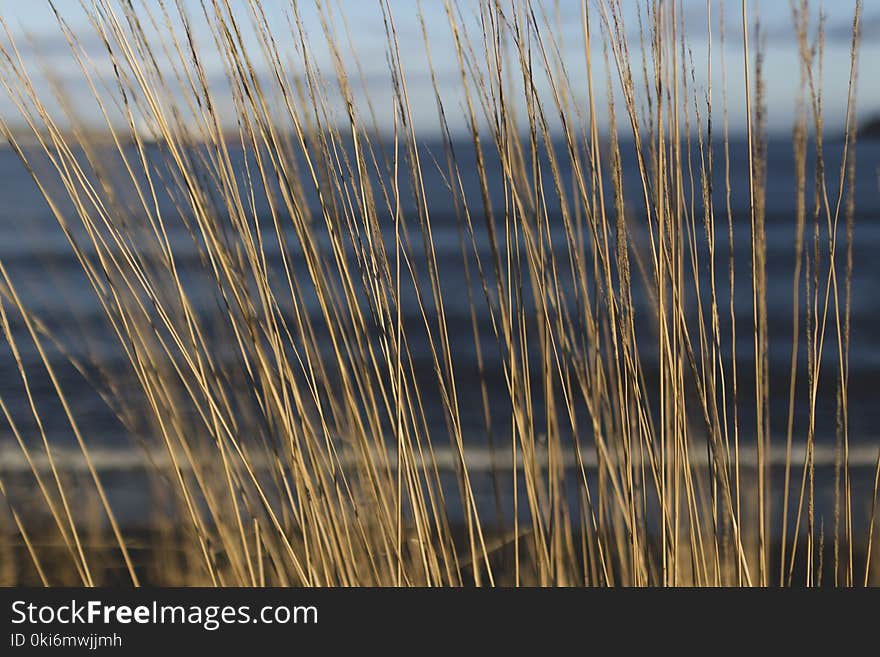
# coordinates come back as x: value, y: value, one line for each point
x: 414, y: 620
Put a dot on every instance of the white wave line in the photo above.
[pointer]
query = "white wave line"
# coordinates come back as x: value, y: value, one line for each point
x: 477, y: 458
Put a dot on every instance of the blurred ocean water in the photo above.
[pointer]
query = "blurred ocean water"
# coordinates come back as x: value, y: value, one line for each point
x: 50, y: 281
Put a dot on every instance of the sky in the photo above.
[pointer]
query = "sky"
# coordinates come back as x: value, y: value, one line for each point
x: 36, y: 33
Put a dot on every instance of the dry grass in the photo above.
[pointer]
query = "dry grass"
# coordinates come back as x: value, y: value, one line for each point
x: 296, y: 444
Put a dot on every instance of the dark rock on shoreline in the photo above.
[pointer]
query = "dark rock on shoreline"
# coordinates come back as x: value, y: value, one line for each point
x: 870, y: 129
